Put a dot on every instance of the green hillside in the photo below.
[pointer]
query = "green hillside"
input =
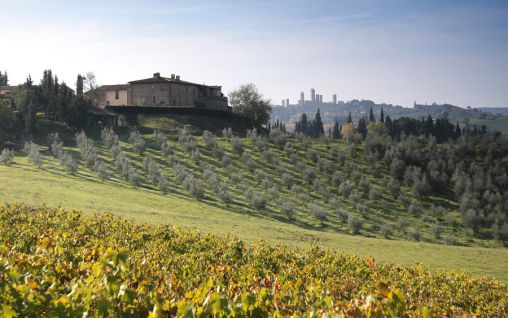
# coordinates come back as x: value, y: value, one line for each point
x: 279, y: 190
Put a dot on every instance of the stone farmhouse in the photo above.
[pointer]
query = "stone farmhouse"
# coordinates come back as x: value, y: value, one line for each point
x: 168, y: 92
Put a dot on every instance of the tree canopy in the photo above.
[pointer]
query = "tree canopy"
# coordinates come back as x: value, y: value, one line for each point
x: 249, y: 102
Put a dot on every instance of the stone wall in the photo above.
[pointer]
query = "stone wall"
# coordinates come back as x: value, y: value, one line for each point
x: 164, y: 95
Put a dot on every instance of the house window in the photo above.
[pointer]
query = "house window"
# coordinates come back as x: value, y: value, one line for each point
x: 153, y: 99
x: 117, y: 94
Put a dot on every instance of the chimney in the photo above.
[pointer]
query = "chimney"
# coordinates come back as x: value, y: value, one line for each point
x: 172, y: 76
x: 156, y: 75
x: 178, y: 77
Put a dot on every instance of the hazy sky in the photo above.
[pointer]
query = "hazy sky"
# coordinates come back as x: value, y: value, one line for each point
x: 387, y: 51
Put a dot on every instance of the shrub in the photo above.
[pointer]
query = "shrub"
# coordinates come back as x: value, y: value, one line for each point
x: 362, y: 209
x: 6, y: 156
x: 394, y: 187
x: 374, y: 194
x: 224, y: 193
x: 364, y: 185
x: 163, y: 184
x: 53, y: 138
x: 318, y: 212
x: 309, y: 174
x: 133, y: 177
x: 193, y: 186
x: 312, y: 155
x: 450, y: 239
x: 109, y: 137
x: 227, y: 133
x: 337, y: 178
x: 402, y: 224
x: 137, y: 141
x: 256, y: 199
x: 288, y: 149
x: 385, y: 230
x: 33, y: 153
x: 343, y: 216
x: 318, y: 184
x: 287, y: 180
x: 69, y: 163
x: 286, y: 208
x: 435, y: 229
x: 413, y: 234
x: 414, y: 208
x: 346, y: 188
x: 210, y: 140
x: 354, y: 223
x: 101, y: 170
x: 236, y: 145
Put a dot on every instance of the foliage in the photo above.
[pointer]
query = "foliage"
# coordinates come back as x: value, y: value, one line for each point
x: 249, y: 102
x: 6, y: 156
x: 67, y: 264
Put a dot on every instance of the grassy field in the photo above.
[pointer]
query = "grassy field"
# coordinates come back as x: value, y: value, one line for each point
x: 22, y: 182
x: 51, y: 185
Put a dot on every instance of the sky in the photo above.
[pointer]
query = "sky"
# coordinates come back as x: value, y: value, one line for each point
x: 392, y: 51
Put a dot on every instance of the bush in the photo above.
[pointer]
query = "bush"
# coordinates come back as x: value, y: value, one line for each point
x: 343, y: 216
x: 375, y: 194
x: 385, y: 230
x: 286, y: 208
x: 309, y: 174
x: 224, y: 193
x: 101, y: 170
x: 450, y: 239
x: 69, y: 163
x: 227, y: 133
x: 394, y: 187
x: 163, y: 184
x: 193, y: 186
x: 137, y: 141
x: 236, y: 145
x: 6, y: 156
x: 319, y: 213
x: 435, y: 229
x: 354, y: 223
x: 346, y: 188
x: 109, y: 137
x: 160, y: 138
x: 312, y: 155
x: 337, y: 178
x: 362, y: 209
x: 33, y: 153
x: 413, y: 234
x: 53, y: 138
x: 210, y: 140
x: 256, y: 199
x: 402, y: 224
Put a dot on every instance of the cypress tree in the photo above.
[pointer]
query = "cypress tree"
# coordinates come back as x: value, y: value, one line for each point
x: 349, y: 118
x: 336, y: 130
x: 318, y: 129
x: 371, y: 116
x: 382, y: 117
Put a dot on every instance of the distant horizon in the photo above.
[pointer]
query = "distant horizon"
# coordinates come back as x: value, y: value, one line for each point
x: 395, y: 52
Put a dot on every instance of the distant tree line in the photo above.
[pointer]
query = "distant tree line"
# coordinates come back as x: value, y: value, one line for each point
x: 56, y: 100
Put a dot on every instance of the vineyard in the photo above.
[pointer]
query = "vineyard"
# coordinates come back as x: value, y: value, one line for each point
x: 59, y: 263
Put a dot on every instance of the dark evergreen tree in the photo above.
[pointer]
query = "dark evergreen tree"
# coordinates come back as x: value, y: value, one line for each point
x: 371, y: 116
x: 336, y: 130
x: 79, y: 86
x: 349, y: 118
x: 317, y: 125
x: 4, y: 78
x: 382, y: 117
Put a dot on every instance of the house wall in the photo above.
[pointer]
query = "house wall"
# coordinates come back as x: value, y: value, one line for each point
x: 110, y: 98
x: 164, y: 95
